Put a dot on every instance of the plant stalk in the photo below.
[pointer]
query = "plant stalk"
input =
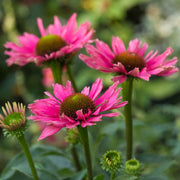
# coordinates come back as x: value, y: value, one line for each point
x: 85, y: 142
x: 25, y: 147
x: 71, y: 78
x: 127, y: 96
x: 112, y: 175
x: 75, y: 157
x: 56, y: 70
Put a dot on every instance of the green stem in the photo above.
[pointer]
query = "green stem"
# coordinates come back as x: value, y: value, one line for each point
x: 76, y: 159
x: 85, y: 142
x: 112, y: 175
x: 127, y: 96
x: 25, y: 147
x: 56, y: 70
x: 71, y: 77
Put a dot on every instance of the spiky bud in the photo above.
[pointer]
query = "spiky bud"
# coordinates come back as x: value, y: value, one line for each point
x: 13, y: 121
x: 111, y: 161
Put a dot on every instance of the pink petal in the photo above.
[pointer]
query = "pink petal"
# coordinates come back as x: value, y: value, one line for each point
x: 85, y: 91
x: 143, y: 74
x: 118, y: 45
x: 96, y: 89
x: 48, y: 131
x: 120, y: 79
x: 111, y: 114
x: 168, y: 71
x: 80, y: 115
x: 134, y: 72
x: 104, y: 48
x: 70, y: 28
x: 41, y: 27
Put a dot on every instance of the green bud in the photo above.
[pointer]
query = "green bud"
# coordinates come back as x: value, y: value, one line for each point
x: 133, y: 167
x: 111, y: 161
x: 13, y: 121
x: 72, y: 136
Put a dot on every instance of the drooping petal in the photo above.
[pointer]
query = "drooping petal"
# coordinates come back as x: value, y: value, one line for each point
x: 48, y: 131
x: 120, y: 79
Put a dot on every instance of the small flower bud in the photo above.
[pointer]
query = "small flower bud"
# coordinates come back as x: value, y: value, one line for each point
x: 72, y: 136
x: 133, y: 167
x: 13, y: 121
x: 111, y: 161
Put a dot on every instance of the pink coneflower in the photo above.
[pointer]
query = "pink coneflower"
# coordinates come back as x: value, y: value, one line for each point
x: 69, y: 109
x: 130, y: 62
x: 55, y: 42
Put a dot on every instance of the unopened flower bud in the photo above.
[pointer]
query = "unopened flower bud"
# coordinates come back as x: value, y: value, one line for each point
x: 133, y: 167
x: 13, y: 121
x: 72, y: 136
x: 111, y: 161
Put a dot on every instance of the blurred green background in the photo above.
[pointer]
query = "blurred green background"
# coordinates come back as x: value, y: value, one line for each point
x: 156, y: 108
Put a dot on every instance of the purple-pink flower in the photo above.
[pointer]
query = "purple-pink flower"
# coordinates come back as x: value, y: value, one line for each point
x: 55, y: 42
x: 130, y: 62
x: 69, y: 109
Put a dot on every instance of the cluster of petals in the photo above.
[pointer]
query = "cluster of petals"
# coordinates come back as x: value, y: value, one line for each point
x: 48, y: 112
x: 24, y: 51
x: 101, y: 58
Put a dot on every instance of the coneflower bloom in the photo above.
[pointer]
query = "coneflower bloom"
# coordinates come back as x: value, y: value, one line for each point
x: 131, y: 62
x: 69, y: 109
x: 55, y: 42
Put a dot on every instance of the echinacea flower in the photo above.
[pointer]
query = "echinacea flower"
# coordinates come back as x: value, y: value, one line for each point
x: 131, y: 62
x: 13, y: 121
x: 69, y: 109
x: 56, y: 42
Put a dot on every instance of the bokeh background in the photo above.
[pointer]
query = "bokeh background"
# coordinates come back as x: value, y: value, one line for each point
x: 156, y: 108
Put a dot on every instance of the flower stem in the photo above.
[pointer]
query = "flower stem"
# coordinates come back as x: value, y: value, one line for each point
x: 85, y: 142
x: 76, y: 158
x: 25, y: 147
x: 56, y: 70
x: 71, y: 77
x: 127, y: 96
x: 112, y: 175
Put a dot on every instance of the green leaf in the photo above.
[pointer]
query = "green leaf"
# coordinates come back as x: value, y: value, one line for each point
x: 79, y: 175
x: 126, y: 177
x: 66, y: 173
x: 99, y: 177
x: 48, y: 161
x: 162, y: 167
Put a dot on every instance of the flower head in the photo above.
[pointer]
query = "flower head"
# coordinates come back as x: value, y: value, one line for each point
x: 131, y: 62
x: 13, y: 121
x: 69, y: 109
x: 133, y: 167
x: 111, y: 161
x: 56, y: 42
